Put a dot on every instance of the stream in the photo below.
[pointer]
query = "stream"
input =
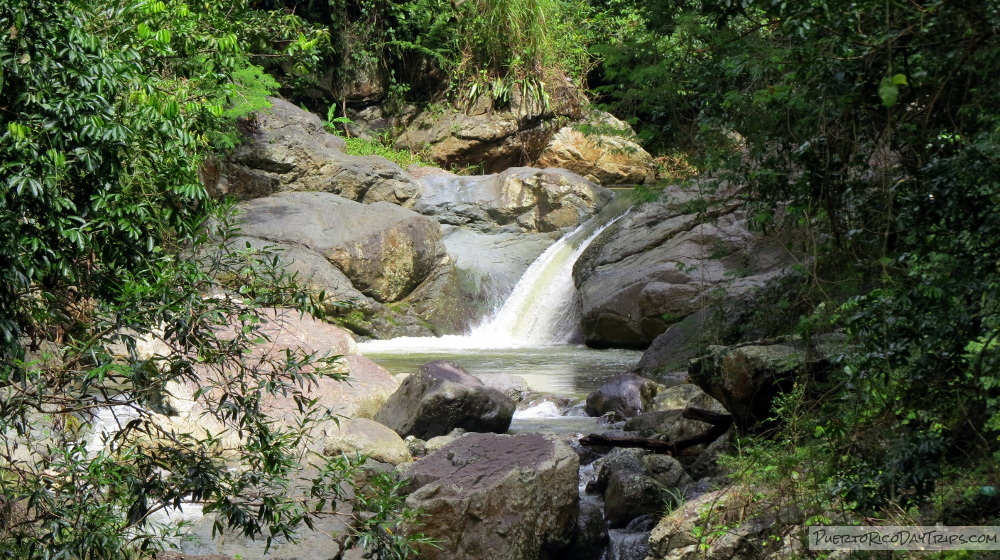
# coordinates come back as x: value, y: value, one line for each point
x: 534, y: 335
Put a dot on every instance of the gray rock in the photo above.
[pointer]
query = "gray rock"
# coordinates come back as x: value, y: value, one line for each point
x: 620, y: 459
x: 383, y: 249
x: 636, y: 482
x: 495, y: 496
x: 669, y: 425
x: 707, y: 463
x: 287, y: 149
x: 388, y: 260
x: 488, y: 266
x: 442, y: 397
x: 514, y: 386
x: 519, y: 199
x: 667, y: 471
x: 626, y: 394
x: 667, y: 260
x: 631, y: 494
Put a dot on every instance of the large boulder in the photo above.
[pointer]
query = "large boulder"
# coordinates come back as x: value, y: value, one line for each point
x: 519, y: 199
x: 390, y: 262
x: 747, y: 378
x: 636, y: 482
x: 366, y: 386
x: 601, y: 147
x: 626, y: 394
x: 442, y: 396
x: 286, y: 148
x: 666, y: 261
x: 496, y: 496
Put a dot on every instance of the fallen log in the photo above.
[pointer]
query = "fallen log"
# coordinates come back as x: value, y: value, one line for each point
x: 720, y: 424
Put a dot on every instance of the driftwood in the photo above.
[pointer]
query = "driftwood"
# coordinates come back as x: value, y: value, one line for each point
x: 720, y: 424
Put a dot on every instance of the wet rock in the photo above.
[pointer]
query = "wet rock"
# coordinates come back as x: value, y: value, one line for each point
x: 620, y: 459
x: 441, y: 397
x: 667, y: 471
x: 590, y: 537
x: 632, y: 541
x: 488, y: 266
x: 636, y: 482
x: 627, y: 394
x: 631, y: 494
x: 496, y: 496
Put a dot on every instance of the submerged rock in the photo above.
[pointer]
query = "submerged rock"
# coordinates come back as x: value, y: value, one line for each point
x: 498, y: 497
x: 442, y: 397
x: 626, y: 394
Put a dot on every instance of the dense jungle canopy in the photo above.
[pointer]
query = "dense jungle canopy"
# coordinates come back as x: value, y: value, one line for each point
x: 872, y: 128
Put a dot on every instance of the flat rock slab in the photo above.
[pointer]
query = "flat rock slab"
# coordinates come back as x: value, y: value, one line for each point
x: 497, y: 496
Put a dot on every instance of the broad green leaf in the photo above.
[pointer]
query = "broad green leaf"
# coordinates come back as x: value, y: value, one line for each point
x: 889, y: 92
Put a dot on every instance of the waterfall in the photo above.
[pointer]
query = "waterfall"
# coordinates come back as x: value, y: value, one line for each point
x: 543, y: 309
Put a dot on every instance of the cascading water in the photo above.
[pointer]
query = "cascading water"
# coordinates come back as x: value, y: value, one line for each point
x: 544, y: 307
x: 534, y: 333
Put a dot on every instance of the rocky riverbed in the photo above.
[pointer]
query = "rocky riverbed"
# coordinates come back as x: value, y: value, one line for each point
x: 497, y: 467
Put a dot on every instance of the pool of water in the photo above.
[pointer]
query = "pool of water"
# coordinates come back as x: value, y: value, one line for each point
x: 565, y: 369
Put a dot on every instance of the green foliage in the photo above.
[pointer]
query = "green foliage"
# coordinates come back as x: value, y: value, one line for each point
x: 383, y: 147
x: 869, y: 128
x: 110, y: 244
x: 439, y: 49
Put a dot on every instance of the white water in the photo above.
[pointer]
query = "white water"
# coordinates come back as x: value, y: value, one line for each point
x: 542, y: 310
